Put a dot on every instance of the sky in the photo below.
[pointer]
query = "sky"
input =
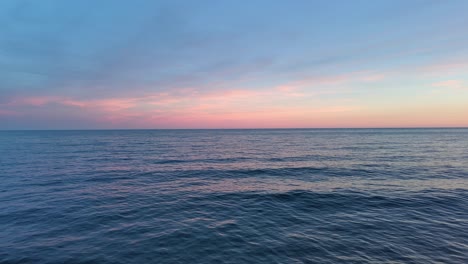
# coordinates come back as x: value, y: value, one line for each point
x: 90, y: 64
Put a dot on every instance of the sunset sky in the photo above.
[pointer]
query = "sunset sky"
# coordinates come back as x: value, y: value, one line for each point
x: 233, y: 64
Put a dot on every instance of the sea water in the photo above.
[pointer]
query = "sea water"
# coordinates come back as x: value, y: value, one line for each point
x: 234, y: 196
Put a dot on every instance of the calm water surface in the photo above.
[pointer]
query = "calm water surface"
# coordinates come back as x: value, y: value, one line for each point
x: 234, y: 196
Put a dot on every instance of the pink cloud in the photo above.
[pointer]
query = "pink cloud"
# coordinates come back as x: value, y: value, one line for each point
x: 71, y: 102
x: 191, y: 106
x: 112, y: 104
x: 451, y: 84
x: 291, y: 104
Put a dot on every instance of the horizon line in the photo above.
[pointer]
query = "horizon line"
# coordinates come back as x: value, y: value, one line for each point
x: 252, y: 128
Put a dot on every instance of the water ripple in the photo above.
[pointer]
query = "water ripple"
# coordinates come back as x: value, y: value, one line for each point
x: 234, y: 196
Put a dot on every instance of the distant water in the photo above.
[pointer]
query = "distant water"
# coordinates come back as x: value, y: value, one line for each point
x: 234, y: 196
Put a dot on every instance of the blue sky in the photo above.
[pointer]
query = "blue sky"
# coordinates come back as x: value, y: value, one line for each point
x: 177, y: 64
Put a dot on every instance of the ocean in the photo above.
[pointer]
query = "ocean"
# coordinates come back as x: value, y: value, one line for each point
x: 234, y: 196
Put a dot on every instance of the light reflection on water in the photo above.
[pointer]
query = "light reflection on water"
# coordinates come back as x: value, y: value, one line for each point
x: 286, y: 185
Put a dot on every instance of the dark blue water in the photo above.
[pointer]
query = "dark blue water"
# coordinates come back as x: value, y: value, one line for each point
x: 234, y: 196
